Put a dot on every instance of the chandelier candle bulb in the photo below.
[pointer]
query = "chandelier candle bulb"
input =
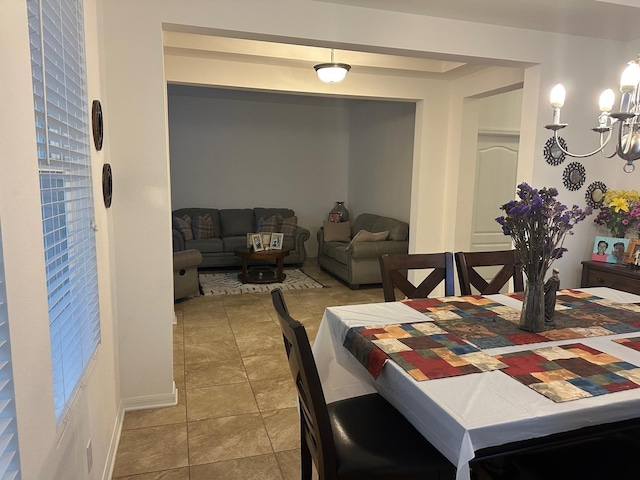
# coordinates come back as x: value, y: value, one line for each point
x: 557, y: 101
x: 606, y: 100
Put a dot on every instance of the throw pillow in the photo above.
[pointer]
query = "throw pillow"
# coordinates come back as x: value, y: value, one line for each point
x: 337, y: 232
x: 202, y: 226
x: 365, y: 236
x: 183, y: 225
x: 289, y: 225
x: 270, y: 225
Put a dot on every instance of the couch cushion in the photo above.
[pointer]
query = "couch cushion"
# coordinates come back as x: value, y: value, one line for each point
x: 193, y: 212
x: 269, y: 224
x: 260, y: 212
x: 233, y: 243
x: 288, y: 226
x: 336, y: 250
x: 202, y: 226
x: 365, y: 236
x: 397, y: 230
x: 183, y: 225
x: 337, y: 232
x: 236, y: 221
x: 209, y: 245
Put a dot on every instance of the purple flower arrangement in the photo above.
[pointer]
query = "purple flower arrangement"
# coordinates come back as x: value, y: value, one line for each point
x: 538, y: 224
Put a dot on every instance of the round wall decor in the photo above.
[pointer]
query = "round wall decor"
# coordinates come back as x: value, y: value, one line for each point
x: 97, y: 124
x: 595, y: 194
x: 574, y: 176
x: 107, y: 184
x: 552, y: 153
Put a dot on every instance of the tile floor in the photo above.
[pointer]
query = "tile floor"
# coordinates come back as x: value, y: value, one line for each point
x: 236, y: 417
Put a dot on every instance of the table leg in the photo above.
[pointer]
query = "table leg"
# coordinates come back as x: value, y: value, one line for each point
x: 245, y: 271
x: 279, y: 265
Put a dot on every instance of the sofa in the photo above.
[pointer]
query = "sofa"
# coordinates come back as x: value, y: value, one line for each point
x: 351, y: 251
x: 217, y: 233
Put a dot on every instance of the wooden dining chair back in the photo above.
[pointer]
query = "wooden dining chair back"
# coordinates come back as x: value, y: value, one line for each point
x: 356, y: 438
x: 467, y: 264
x: 395, y: 267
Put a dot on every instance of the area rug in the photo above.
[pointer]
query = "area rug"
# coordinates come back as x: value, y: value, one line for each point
x: 228, y: 283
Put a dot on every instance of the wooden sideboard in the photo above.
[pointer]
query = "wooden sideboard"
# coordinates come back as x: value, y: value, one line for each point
x: 620, y: 277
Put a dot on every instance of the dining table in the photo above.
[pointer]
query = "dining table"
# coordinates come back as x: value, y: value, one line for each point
x: 464, y: 409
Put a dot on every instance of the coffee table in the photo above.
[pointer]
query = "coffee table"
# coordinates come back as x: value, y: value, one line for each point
x: 261, y: 276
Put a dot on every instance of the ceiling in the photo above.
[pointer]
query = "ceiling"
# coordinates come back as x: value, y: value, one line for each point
x: 611, y: 19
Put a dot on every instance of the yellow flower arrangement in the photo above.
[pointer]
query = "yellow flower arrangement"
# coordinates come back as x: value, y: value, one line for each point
x: 620, y: 211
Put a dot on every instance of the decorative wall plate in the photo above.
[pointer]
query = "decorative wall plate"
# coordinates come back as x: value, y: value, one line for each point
x: 107, y: 184
x: 552, y: 153
x: 595, y: 194
x: 97, y: 124
x: 574, y: 176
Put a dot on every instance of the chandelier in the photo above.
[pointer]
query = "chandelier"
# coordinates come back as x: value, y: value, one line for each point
x: 332, y: 72
x: 627, y: 119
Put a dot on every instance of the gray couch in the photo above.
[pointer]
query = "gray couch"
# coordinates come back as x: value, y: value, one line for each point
x: 358, y: 263
x: 230, y: 228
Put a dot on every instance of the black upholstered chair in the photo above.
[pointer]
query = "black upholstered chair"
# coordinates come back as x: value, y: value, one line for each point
x: 394, y: 268
x: 361, y: 438
x: 468, y: 276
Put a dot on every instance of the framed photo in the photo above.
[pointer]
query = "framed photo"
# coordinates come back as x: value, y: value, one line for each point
x: 266, y: 240
x: 633, y: 251
x: 276, y: 241
x: 256, y: 241
x: 250, y: 240
x: 609, y: 249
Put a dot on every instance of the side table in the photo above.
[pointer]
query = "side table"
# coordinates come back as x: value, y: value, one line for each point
x: 620, y: 277
x: 248, y: 276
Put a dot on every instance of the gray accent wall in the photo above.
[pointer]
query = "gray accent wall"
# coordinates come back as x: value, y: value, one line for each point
x: 241, y: 149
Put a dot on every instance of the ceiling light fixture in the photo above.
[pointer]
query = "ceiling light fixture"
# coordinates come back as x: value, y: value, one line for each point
x: 627, y: 119
x: 332, y: 72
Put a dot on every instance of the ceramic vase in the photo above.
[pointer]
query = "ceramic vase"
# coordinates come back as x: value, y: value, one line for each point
x: 532, y: 314
x: 339, y: 212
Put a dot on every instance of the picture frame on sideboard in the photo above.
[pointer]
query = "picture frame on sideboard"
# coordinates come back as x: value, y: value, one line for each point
x: 633, y: 252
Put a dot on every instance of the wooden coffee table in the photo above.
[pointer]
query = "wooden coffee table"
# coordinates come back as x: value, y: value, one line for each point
x: 261, y: 276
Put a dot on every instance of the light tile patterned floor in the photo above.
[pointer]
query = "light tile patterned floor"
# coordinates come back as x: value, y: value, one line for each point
x: 237, y: 416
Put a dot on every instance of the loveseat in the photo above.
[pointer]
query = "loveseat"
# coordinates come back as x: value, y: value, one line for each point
x: 351, y: 251
x: 216, y: 234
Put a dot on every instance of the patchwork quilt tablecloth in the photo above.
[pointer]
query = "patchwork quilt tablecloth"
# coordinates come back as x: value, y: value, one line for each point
x: 423, y: 350
x: 570, y: 372
x: 489, y: 324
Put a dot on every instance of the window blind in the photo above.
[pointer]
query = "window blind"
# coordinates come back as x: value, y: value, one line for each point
x: 9, y: 457
x: 56, y: 33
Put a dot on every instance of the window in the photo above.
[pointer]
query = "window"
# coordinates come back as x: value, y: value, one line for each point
x: 9, y: 458
x: 56, y: 34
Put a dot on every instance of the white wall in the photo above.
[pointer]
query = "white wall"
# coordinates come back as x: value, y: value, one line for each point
x: 48, y: 453
x: 245, y: 151
x: 381, y: 159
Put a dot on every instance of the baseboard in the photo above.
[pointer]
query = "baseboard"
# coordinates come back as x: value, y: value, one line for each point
x: 152, y: 401
x: 110, y: 464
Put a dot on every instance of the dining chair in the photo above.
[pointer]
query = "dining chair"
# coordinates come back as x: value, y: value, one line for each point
x: 357, y: 438
x: 394, y: 268
x: 468, y: 275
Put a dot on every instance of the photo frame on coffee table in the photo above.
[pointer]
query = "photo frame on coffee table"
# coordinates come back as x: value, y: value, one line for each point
x: 276, y: 241
x: 250, y: 239
x: 256, y: 240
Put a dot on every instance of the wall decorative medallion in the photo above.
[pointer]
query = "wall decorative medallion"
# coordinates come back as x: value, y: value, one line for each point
x: 573, y: 176
x: 552, y: 153
x: 97, y: 124
x: 107, y: 184
x: 595, y: 194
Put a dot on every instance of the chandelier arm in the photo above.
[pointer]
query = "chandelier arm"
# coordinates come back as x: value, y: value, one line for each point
x: 584, y: 155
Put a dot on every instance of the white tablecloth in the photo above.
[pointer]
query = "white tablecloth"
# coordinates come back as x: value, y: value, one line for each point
x: 460, y: 415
